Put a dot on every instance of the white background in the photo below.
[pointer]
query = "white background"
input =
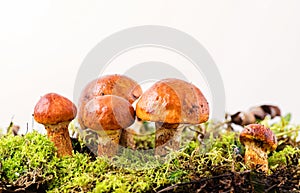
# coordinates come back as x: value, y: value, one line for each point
x: 255, y: 44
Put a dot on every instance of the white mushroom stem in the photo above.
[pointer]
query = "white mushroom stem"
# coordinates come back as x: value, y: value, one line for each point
x: 256, y: 157
x: 167, y: 136
x: 108, y: 142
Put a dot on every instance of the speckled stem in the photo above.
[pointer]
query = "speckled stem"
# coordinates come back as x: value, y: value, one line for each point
x: 127, y: 138
x: 256, y: 158
x: 108, y: 142
x: 167, y: 136
x: 59, y: 135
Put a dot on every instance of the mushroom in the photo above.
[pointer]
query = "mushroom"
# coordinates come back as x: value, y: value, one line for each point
x: 118, y: 85
x: 254, y: 113
x: 55, y: 112
x: 243, y: 118
x: 259, y: 141
x: 272, y: 110
x: 107, y: 115
x: 168, y: 103
x: 258, y: 113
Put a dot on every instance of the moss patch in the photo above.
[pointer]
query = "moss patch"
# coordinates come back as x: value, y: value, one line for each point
x: 29, y: 163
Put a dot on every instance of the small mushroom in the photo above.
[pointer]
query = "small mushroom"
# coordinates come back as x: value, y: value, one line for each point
x: 272, y: 110
x: 243, y: 118
x: 55, y: 112
x: 254, y: 113
x: 108, y: 115
x: 168, y: 103
x: 259, y: 141
x: 258, y: 113
x: 116, y: 84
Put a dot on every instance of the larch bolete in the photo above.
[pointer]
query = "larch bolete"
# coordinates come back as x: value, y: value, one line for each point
x: 168, y: 103
x: 107, y: 116
x: 55, y: 112
x: 259, y: 141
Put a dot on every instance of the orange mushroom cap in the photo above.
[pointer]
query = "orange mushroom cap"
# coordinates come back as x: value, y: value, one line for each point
x: 173, y: 101
x: 53, y: 108
x: 108, y: 112
x: 118, y: 85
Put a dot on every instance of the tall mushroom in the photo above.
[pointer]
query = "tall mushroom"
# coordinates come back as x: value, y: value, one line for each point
x: 168, y: 103
x: 118, y: 85
x: 55, y: 112
x: 107, y: 115
x: 259, y: 141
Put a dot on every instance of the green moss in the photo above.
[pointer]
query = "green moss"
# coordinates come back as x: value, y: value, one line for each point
x: 22, y: 155
x: 284, y: 157
x: 32, y: 158
x: 78, y: 173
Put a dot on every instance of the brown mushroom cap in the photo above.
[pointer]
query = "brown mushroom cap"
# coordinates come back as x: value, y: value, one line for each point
x: 53, y: 108
x: 258, y: 112
x: 259, y: 134
x: 272, y: 110
x: 243, y: 118
x: 118, y: 85
x: 173, y: 101
x: 108, y: 112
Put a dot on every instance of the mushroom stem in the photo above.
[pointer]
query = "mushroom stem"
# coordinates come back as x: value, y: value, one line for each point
x: 59, y: 135
x: 167, y: 136
x: 127, y: 138
x: 256, y: 157
x: 108, y: 142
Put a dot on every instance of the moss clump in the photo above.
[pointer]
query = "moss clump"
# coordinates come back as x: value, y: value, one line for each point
x: 215, y: 164
x: 284, y: 157
x: 77, y: 174
x: 26, y: 160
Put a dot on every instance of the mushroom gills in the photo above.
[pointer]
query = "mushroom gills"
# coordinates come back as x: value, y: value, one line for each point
x: 167, y: 137
x: 59, y: 135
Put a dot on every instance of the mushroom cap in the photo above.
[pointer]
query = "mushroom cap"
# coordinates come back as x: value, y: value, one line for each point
x: 173, y: 101
x: 118, y: 85
x: 108, y: 112
x: 259, y: 134
x: 243, y: 118
x: 53, y: 108
x: 258, y: 112
x: 272, y: 110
